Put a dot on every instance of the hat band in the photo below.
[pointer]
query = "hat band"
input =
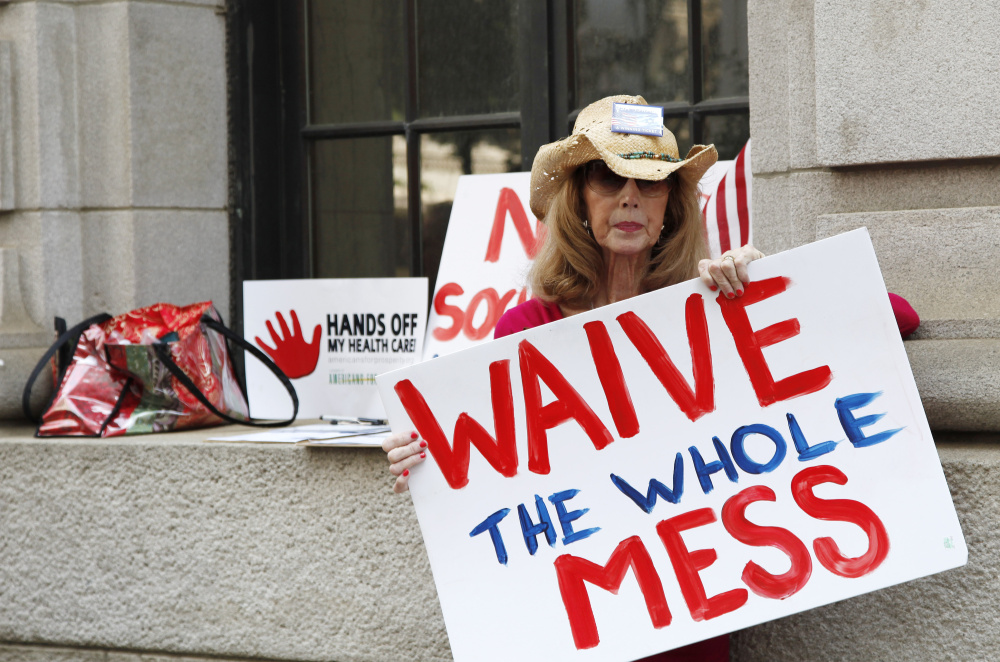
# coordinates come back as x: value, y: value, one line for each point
x: 650, y: 155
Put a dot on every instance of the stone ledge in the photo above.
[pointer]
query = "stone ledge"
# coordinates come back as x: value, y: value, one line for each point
x: 58, y: 654
x: 959, y: 382
x: 937, y: 258
x: 166, y: 543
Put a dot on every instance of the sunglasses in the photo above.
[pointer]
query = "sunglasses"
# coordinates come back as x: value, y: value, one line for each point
x: 602, y: 179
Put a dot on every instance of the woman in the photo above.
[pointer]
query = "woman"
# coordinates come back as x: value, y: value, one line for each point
x: 623, y: 219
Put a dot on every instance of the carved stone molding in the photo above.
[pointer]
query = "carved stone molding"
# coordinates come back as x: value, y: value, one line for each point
x: 16, y: 328
x: 6, y: 129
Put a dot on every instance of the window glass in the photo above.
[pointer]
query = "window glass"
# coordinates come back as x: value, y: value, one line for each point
x: 467, y: 57
x: 629, y: 47
x: 729, y: 133
x: 357, y: 69
x: 724, y: 39
x: 359, y: 227
x: 681, y: 128
x: 444, y: 157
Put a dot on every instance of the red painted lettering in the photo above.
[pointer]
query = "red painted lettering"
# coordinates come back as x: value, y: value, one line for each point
x: 573, y: 571
x: 760, y: 581
x: 501, y: 452
x: 687, y: 564
x: 694, y: 403
x: 612, y: 380
x: 568, y: 404
x: 749, y: 344
x: 441, y: 307
x: 463, y: 321
x: 489, y: 295
x: 508, y: 202
x: 842, y: 510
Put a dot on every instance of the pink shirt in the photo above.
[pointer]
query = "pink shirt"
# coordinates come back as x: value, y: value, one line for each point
x: 536, y: 312
x: 528, y: 315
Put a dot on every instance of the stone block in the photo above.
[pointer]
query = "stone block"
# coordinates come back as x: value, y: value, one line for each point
x: 18, y: 362
x: 942, y: 260
x: 182, y: 257
x: 48, y: 243
x: 959, y: 382
x: 110, y: 262
x: 788, y: 205
x: 954, y: 615
x: 773, y: 227
x: 178, y: 106
x: 6, y: 127
x: 167, y: 544
x: 14, y: 320
x: 798, y: 30
x: 18, y: 29
x: 58, y: 147
x: 49, y: 654
x: 906, y: 81
x: 951, y: 184
x: 768, y: 61
x: 105, y: 123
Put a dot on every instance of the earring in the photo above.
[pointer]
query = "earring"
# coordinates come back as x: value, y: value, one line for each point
x: 586, y: 224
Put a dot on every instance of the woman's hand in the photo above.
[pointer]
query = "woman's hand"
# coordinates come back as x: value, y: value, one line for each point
x: 404, y: 450
x: 728, y: 273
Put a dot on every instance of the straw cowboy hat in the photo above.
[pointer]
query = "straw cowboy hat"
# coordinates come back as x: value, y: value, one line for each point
x: 629, y: 155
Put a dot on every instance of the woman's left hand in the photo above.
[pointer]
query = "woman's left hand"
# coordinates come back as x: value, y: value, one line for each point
x: 728, y: 273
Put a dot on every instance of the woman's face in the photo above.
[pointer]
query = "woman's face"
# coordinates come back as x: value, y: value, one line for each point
x: 628, y: 221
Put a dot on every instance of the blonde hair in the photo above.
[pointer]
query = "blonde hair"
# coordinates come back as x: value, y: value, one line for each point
x: 569, y: 268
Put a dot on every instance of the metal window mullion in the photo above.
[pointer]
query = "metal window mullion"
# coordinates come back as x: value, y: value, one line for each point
x: 572, y: 100
x: 560, y: 60
x: 533, y: 73
x: 308, y: 152
x: 379, y: 129
x: 510, y: 120
x: 697, y: 82
x: 413, y: 202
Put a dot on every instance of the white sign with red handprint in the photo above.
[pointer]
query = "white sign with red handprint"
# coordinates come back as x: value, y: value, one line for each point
x: 331, y: 337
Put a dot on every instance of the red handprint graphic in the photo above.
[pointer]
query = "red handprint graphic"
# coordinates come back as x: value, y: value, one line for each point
x: 291, y: 352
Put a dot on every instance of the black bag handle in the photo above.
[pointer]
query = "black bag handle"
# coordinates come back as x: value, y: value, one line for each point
x: 65, y: 345
x: 162, y: 351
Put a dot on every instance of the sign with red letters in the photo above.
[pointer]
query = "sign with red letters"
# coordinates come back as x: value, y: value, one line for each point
x: 330, y: 336
x: 678, y: 465
x: 492, y: 238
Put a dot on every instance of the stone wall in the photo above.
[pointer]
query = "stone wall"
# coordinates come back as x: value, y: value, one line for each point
x: 165, y: 544
x: 881, y: 114
x: 113, y: 165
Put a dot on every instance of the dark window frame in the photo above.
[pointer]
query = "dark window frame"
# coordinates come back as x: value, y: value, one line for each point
x: 269, y: 185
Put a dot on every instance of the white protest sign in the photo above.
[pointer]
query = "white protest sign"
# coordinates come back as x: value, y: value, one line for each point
x: 491, y: 240
x: 331, y: 337
x: 678, y: 465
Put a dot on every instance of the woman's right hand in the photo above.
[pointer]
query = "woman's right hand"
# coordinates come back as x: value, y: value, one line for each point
x: 728, y: 272
x: 404, y: 451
